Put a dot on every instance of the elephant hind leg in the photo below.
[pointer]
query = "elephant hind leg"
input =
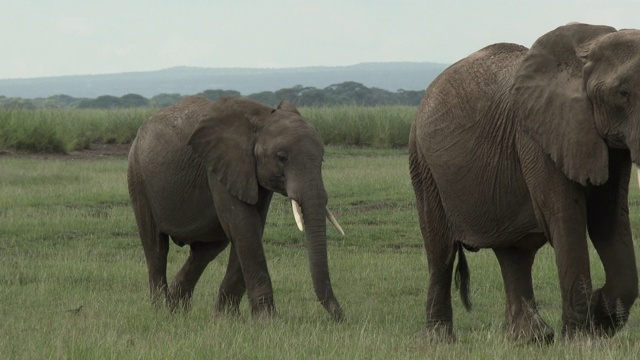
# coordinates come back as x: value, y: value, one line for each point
x: 462, y: 278
x: 523, y: 322
x: 154, y: 243
x: 440, y: 248
x: 183, y: 284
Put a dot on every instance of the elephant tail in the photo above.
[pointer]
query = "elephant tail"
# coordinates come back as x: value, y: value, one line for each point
x: 462, y: 277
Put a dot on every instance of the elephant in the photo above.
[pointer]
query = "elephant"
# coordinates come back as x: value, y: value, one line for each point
x: 203, y: 173
x: 513, y: 148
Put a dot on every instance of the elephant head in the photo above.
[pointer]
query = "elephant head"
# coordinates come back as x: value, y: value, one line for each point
x: 251, y: 148
x: 578, y: 94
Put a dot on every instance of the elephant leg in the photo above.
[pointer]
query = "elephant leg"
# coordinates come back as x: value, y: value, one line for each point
x: 156, y: 249
x: 610, y: 233
x: 568, y: 238
x: 155, y: 245
x: 244, y: 224
x: 200, y: 255
x: 560, y: 208
x: 232, y: 287
x: 440, y: 249
x: 523, y: 322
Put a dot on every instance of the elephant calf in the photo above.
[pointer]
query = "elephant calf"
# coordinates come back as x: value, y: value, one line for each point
x: 203, y: 174
x: 512, y: 148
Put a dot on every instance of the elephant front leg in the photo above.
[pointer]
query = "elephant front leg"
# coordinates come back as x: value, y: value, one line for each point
x: 243, y: 225
x: 610, y: 233
x: 257, y: 279
x: 569, y: 240
x: 561, y: 211
x: 232, y: 287
x: 523, y: 322
x: 611, y: 304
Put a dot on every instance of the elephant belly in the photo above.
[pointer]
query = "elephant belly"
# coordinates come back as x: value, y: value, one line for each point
x: 481, y: 225
x: 185, y: 208
x: 485, y: 206
x: 190, y: 224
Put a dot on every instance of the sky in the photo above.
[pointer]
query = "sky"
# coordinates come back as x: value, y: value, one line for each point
x: 43, y: 38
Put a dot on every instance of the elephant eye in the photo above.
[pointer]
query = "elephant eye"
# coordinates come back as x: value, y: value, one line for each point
x: 624, y: 94
x: 282, y: 157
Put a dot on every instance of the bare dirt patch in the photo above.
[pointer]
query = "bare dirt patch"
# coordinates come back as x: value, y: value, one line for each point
x: 96, y: 152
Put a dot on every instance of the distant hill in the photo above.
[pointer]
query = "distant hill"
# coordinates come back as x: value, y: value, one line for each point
x: 390, y: 76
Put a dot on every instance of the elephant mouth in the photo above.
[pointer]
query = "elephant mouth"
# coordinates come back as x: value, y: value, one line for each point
x: 297, y: 215
x: 277, y: 184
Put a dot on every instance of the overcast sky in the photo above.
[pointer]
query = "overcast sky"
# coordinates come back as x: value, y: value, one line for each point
x: 73, y: 37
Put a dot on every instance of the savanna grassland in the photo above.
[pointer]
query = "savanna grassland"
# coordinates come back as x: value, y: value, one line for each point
x: 66, y: 130
x: 73, y: 281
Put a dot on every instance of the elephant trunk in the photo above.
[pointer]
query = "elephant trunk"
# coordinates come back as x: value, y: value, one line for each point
x: 632, y: 138
x: 314, y: 212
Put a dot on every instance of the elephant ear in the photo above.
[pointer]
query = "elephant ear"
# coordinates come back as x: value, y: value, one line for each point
x: 552, y: 107
x: 287, y: 106
x: 224, y: 139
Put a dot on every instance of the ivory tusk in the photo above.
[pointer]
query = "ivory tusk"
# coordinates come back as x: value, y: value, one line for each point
x: 297, y: 214
x: 334, y: 221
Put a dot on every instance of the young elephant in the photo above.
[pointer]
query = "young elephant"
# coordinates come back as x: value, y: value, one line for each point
x: 203, y: 173
x: 512, y: 148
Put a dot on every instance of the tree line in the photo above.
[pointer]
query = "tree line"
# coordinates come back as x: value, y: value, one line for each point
x: 346, y: 93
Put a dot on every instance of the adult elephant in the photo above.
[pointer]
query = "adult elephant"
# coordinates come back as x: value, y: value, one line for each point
x: 203, y: 173
x: 512, y: 148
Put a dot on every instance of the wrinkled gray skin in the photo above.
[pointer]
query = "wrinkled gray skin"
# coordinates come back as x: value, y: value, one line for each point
x: 203, y: 173
x: 512, y: 148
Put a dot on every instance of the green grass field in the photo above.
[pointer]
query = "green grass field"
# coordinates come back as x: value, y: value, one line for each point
x: 66, y: 130
x: 68, y: 241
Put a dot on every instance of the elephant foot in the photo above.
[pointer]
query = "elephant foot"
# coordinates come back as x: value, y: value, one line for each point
x: 263, y: 315
x: 158, y: 296
x: 262, y: 307
x: 439, y: 332
x: 602, y: 318
x: 227, y: 311
x: 525, y: 325
x: 533, y: 331
x: 178, y: 301
x: 608, y: 316
x: 227, y: 306
x: 334, y: 309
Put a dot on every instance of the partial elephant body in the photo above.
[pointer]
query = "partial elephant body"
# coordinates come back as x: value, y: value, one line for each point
x: 514, y: 147
x: 460, y: 149
x: 203, y: 174
x: 166, y: 168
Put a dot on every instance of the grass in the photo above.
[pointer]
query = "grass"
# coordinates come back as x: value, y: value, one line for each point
x: 66, y: 130
x: 68, y: 240
x: 379, y: 126
x: 62, y: 131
